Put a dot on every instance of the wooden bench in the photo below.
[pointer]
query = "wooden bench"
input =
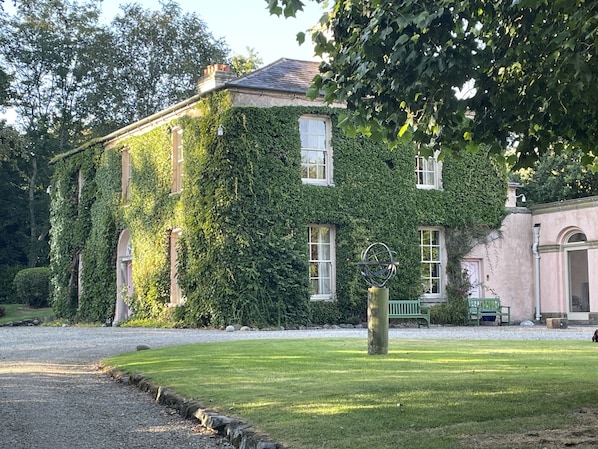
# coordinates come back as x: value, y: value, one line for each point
x: 409, y: 308
x: 480, y: 308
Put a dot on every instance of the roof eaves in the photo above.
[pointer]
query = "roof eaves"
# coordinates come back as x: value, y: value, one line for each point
x: 121, y: 132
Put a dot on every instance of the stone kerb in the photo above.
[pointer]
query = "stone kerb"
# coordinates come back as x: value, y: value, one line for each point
x: 239, y: 434
x: 29, y: 322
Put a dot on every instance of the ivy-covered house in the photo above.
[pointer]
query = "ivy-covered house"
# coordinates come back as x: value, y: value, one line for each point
x: 246, y: 204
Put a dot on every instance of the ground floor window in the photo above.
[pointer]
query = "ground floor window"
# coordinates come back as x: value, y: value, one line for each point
x: 321, y: 262
x: 431, y: 260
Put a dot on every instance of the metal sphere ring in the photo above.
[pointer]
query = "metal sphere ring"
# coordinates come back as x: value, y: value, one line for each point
x: 377, y: 265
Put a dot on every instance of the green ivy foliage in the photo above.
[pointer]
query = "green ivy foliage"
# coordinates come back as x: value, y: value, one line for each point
x: 99, y: 251
x: 244, y: 213
x: 244, y: 245
x: 84, y: 223
x: 66, y: 236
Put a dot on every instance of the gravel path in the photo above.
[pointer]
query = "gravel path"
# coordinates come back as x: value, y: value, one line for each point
x: 53, y: 397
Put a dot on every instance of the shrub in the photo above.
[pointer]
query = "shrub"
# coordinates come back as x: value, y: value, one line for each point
x: 324, y: 312
x: 2, y: 311
x: 7, y: 286
x: 32, y: 286
x: 454, y: 312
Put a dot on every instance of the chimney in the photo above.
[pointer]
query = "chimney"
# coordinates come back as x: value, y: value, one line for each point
x: 512, y: 196
x: 214, y: 77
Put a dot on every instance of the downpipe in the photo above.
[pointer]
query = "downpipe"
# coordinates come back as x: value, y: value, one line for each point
x: 536, y: 252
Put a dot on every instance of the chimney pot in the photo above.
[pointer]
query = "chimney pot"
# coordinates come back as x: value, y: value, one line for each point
x: 213, y: 68
x: 215, y: 76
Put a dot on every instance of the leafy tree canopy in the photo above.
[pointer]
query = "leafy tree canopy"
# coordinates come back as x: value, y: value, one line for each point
x: 242, y: 65
x: 4, y: 86
x: 557, y: 177
x: 149, y: 60
x: 45, y: 49
x: 69, y: 78
x: 528, y: 66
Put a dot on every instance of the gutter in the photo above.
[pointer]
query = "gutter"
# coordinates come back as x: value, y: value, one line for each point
x: 122, y: 132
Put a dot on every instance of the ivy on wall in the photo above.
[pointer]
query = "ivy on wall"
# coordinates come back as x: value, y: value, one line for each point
x: 84, y: 223
x: 244, y: 213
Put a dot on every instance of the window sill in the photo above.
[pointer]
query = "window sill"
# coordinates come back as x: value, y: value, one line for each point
x: 325, y: 298
x: 308, y: 182
x: 425, y: 187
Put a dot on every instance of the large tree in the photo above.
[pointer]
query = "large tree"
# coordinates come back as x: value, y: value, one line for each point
x: 72, y: 79
x: 529, y: 67
x: 13, y: 201
x: 45, y: 48
x: 44, y: 51
x: 149, y: 61
x: 557, y: 177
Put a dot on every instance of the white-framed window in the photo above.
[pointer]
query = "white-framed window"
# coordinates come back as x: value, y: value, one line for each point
x: 430, y: 245
x: 428, y: 172
x: 177, y: 160
x: 321, y: 243
x: 127, y: 173
x: 316, y: 151
x: 80, y: 185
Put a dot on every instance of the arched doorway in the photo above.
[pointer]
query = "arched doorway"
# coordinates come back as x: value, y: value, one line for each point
x: 124, y: 278
x: 578, y: 281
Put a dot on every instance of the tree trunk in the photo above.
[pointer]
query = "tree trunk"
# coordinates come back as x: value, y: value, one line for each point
x: 32, y: 253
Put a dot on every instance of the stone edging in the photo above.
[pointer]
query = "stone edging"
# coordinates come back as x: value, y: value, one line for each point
x: 237, y: 433
x: 26, y: 322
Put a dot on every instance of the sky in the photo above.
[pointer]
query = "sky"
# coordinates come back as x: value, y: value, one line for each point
x: 241, y: 24
x: 244, y: 23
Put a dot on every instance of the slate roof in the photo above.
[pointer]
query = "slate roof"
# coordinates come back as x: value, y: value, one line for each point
x: 286, y: 75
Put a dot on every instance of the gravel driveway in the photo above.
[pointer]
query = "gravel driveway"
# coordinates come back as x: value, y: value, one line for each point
x: 53, y: 397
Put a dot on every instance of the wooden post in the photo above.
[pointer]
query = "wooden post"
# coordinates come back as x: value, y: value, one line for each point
x: 377, y: 320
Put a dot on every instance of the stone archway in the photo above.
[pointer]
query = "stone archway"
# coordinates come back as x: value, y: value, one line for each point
x: 124, y: 278
x: 578, y: 281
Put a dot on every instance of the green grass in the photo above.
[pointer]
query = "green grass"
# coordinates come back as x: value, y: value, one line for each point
x: 19, y: 312
x: 330, y: 393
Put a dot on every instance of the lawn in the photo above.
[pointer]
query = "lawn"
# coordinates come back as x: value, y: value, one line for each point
x: 329, y: 393
x: 19, y: 312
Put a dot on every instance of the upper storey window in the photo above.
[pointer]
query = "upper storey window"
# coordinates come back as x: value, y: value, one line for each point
x: 177, y: 160
x: 316, y: 152
x: 127, y: 172
x: 428, y: 172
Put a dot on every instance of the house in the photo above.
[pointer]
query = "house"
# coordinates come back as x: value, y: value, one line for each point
x: 247, y: 204
x: 541, y: 261
x: 566, y: 256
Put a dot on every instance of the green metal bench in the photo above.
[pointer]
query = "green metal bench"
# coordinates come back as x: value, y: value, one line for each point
x: 481, y: 308
x: 409, y: 308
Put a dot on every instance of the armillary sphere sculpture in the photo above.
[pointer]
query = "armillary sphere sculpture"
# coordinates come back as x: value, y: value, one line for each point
x: 377, y: 265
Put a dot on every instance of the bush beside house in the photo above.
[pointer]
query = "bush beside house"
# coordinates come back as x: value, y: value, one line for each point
x: 32, y: 286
